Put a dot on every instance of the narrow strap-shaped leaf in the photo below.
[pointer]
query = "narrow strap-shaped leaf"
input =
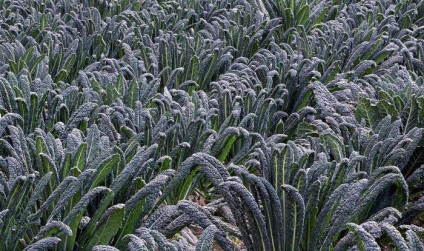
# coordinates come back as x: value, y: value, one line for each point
x: 295, y: 217
x: 37, y: 193
x: 83, y: 111
x: 50, y: 226
x: 259, y: 221
x: 205, y: 242
x: 53, y: 196
x: 413, y: 241
x: 364, y: 241
x: 395, y: 236
x: 107, y: 226
x: 43, y: 244
x: 74, y: 217
x: 136, y: 204
x: 132, y: 167
x: 135, y: 243
x: 104, y: 169
x: 104, y: 248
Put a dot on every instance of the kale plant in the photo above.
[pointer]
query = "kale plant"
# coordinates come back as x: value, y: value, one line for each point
x: 259, y: 125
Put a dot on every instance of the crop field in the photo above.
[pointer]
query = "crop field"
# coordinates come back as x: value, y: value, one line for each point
x: 177, y: 125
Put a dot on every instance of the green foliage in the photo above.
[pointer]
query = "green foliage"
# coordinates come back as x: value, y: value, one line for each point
x: 191, y: 124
